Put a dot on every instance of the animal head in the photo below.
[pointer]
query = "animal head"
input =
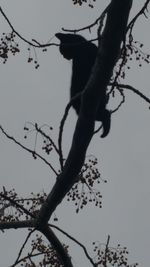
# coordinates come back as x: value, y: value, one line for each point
x: 71, y: 45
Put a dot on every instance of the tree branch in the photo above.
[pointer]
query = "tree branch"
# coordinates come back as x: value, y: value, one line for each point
x: 100, y: 18
x: 34, y: 153
x: 62, y: 254
x: 112, y: 37
x: 141, y: 12
x: 22, y: 247
x: 16, y: 225
x: 136, y: 91
x: 37, y: 45
x: 76, y: 241
x: 14, y: 203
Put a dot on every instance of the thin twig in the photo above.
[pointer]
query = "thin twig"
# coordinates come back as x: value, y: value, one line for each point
x: 90, y: 25
x: 26, y: 257
x: 121, y: 102
x: 23, y: 246
x: 76, y: 241
x: 131, y: 88
x: 47, y: 137
x: 37, y: 45
x: 141, y: 12
x: 34, y: 153
x: 31, y: 261
x: 14, y: 203
x: 106, y: 251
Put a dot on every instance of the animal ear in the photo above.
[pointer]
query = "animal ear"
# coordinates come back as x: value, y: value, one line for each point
x: 61, y: 36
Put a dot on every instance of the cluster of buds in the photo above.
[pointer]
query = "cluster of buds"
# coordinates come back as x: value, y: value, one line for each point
x: 7, y: 45
x: 80, y: 2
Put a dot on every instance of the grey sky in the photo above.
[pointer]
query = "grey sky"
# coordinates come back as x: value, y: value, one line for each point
x: 41, y: 96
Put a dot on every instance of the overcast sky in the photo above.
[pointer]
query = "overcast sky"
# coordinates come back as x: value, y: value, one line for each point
x: 41, y: 96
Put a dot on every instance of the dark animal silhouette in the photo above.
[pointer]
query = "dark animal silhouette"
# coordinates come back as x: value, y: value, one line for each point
x: 83, y: 55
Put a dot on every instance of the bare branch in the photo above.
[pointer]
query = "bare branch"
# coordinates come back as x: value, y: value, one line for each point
x: 136, y: 91
x: 62, y: 254
x: 76, y: 241
x: 101, y: 17
x: 39, y: 130
x: 141, y: 12
x: 27, y: 257
x: 14, y: 203
x: 34, y: 153
x: 23, y: 246
x: 106, y: 251
x: 37, y: 45
x: 17, y: 225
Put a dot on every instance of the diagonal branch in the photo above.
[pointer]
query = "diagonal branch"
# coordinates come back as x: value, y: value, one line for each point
x: 101, y: 17
x: 141, y: 12
x: 34, y: 153
x: 112, y: 37
x: 14, y: 203
x: 136, y: 91
x: 76, y: 241
x: 22, y: 247
x: 37, y: 45
x: 27, y: 257
x: 62, y: 254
